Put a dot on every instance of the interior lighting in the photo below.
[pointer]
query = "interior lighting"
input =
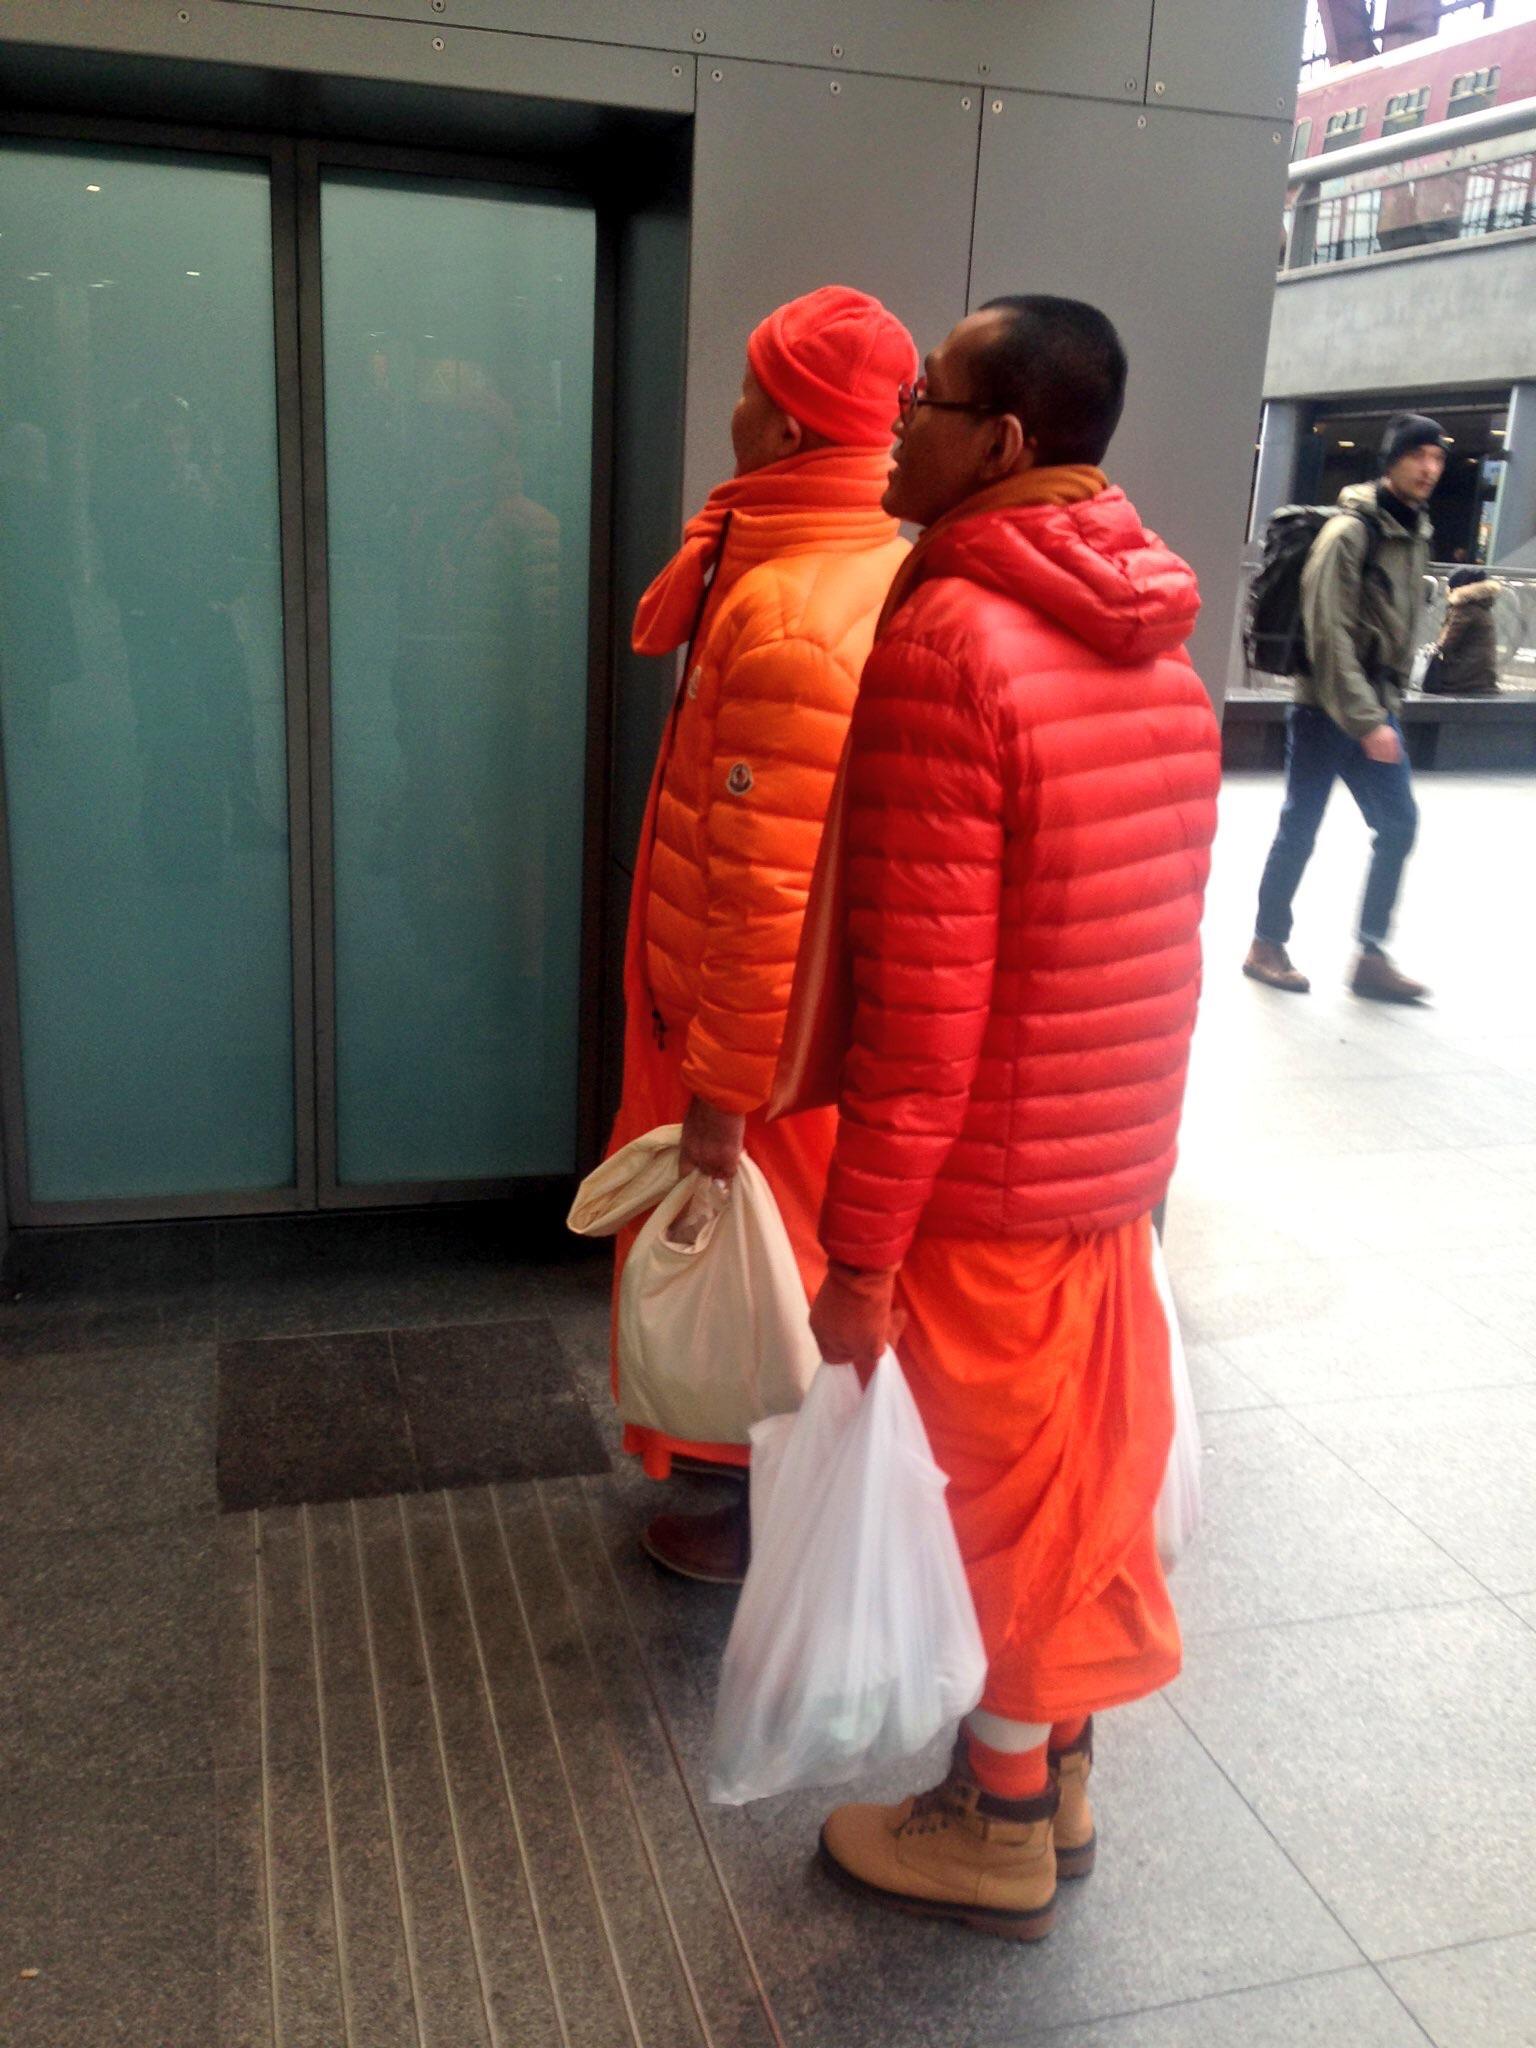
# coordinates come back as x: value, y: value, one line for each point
x: 1346, y: 444
x: 93, y: 188
x: 194, y: 273
x: 1450, y: 440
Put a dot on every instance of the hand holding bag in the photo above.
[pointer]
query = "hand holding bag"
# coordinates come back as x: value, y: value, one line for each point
x: 855, y: 1641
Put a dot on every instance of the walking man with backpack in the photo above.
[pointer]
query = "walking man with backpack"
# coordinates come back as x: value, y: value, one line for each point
x: 1361, y: 592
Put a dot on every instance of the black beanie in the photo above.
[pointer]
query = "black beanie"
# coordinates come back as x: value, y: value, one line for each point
x: 1460, y: 578
x: 1409, y: 430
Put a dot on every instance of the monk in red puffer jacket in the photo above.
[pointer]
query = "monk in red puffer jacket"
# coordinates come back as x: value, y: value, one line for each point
x: 1024, y: 831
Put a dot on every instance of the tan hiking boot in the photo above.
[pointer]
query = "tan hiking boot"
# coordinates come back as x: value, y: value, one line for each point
x: 1076, y: 1837
x: 954, y: 1853
x: 715, y: 1549
x: 1378, y: 981
x: 1271, y: 964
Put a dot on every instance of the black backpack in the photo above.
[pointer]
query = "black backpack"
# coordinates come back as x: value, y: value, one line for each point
x: 1273, y: 638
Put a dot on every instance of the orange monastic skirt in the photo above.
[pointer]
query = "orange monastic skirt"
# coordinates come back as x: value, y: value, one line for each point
x: 1041, y: 1369
x: 793, y: 1154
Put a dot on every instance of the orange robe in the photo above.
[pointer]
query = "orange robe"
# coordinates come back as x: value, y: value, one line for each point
x: 1041, y: 1369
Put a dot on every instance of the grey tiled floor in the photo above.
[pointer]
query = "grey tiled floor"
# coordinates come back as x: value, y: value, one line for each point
x: 427, y: 1769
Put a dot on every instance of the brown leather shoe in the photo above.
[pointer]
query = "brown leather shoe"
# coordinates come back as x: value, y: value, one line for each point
x: 954, y: 1853
x: 715, y: 1548
x: 1378, y: 981
x: 1271, y: 964
x: 1076, y: 1837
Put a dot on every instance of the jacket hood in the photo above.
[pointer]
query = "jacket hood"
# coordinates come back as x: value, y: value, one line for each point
x: 1362, y: 498
x: 1474, y: 593
x: 1091, y: 568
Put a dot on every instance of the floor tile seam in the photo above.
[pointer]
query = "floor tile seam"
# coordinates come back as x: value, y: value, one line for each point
x: 1060, y: 2028
x: 1454, y: 1948
x: 1401, y: 2002
x: 263, y: 1710
x: 338, y: 1918
x: 465, y: 1320
x: 1437, y: 1286
x: 1366, y: 1481
x: 405, y: 1411
x: 600, y: 1905
x: 1401, y: 1394
x: 642, y: 1664
x: 402, y: 1900
x: 455, y: 1827
x: 192, y: 1519
x: 514, y: 1812
x: 616, y: 1750
x: 1291, y: 1621
x: 1227, y: 1778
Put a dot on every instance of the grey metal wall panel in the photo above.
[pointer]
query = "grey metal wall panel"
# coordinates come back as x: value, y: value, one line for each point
x: 1046, y: 45
x: 345, y: 45
x: 797, y: 185
x: 1169, y: 221
x: 1452, y: 315
x: 1227, y: 56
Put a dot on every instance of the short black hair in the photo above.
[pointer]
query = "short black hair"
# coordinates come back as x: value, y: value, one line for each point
x: 1060, y: 366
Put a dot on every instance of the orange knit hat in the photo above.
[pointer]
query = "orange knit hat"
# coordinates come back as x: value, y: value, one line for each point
x: 833, y: 361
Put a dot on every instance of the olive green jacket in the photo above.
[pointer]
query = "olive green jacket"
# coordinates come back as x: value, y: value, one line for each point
x: 1362, y: 595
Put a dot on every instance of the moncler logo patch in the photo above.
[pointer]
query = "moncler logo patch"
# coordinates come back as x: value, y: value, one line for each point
x: 739, y: 781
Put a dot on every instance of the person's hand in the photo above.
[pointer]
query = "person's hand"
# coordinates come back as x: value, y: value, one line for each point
x: 712, y: 1140
x: 1382, y: 744
x: 853, y: 1319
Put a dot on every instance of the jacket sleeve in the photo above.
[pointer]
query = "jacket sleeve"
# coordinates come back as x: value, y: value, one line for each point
x: 924, y: 847
x: 779, y: 735
x: 1331, y: 592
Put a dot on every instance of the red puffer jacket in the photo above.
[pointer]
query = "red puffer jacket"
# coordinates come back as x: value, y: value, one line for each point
x: 1032, y: 784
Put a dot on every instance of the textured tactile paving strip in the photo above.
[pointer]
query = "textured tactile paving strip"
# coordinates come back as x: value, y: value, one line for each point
x: 450, y: 1814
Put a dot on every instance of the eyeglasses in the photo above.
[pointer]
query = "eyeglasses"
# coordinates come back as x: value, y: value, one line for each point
x: 911, y: 396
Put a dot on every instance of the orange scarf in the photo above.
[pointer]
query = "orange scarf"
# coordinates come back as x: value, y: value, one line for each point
x: 776, y: 500
x: 1064, y: 484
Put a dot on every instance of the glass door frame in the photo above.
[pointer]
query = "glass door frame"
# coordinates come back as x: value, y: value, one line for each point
x: 549, y: 185
x: 295, y: 165
x: 278, y: 155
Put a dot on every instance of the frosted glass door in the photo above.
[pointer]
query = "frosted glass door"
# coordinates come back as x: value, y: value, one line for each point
x: 141, y: 674
x: 458, y: 331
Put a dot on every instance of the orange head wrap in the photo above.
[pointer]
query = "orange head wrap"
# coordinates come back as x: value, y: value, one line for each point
x: 833, y: 361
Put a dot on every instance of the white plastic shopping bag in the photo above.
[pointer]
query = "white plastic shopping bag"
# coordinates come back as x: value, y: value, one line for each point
x: 1178, y: 1505
x: 712, y: 1332
x: 855, y: 1641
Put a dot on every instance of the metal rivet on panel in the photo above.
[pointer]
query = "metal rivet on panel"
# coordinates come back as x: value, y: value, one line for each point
x: 717, y: 76
x: 837, y: 49
x: 983, y: 69
x: 1141, y: 120
x: 834, y: 86
x: 437, y: 43
x: 1277, y: 138
x: 1159, y: 87
x: 1131, y: 84
x: 699, y: 36
x: 439, y: 6
x: 182, y: 14
x: 677, y: 70
x: 997, y: 106
x: 966, y: 104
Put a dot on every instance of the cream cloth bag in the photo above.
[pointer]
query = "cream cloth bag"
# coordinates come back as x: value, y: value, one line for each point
x: 713, y: 1330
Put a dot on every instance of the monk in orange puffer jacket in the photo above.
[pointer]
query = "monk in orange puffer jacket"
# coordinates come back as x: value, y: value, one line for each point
x: 774, y: 594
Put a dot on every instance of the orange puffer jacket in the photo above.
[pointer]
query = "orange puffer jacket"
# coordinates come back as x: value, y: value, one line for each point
x: 744, y: 780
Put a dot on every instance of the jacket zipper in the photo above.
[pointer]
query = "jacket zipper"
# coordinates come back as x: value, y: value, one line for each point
x: 658, y: 1022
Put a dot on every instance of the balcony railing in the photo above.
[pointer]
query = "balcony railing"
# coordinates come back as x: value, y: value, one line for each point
x: 1453, y: 182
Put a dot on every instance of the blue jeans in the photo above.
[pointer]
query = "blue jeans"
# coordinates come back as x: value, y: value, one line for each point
x: 1317, y: 750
